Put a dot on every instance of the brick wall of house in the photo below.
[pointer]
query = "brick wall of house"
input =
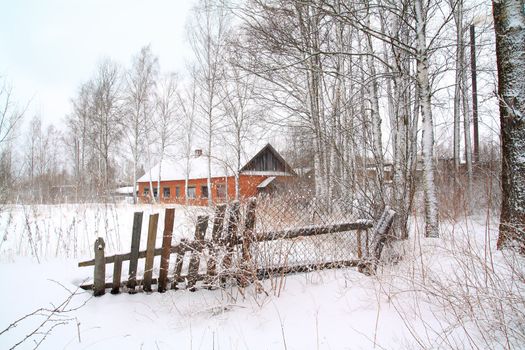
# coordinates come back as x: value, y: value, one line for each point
x: 168, y: 189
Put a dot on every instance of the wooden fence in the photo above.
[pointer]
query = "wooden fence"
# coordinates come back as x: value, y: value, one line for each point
x: 227, y: 252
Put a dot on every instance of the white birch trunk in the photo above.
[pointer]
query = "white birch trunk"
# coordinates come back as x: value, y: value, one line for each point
x: 187, y: 179
x: 134, y: 181
x: 375, y: 117
x: 160, y: 172
x: 458, y: 19
x: 431, y: 207
x: 237, y: 173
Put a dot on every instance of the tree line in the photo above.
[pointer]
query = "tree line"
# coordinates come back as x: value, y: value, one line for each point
x: 355, y: 88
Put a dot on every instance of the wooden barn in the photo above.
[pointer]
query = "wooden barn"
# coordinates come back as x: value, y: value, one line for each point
x: 260, y: 174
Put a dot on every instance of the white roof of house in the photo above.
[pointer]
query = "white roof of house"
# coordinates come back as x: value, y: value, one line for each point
x: 266, y: 182
x: 177, y: 170
x: 198, y: 167
x: 125, y: 190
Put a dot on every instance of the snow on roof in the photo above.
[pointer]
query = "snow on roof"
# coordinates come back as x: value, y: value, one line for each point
x: 265, y: 173
x: 177, y: 170
x: 198, y: 169
x: 125, y: 190
x: 266, y: 182
x: 302, y: 171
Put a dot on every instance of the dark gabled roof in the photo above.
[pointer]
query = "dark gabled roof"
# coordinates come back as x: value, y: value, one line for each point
x: 276, y: 154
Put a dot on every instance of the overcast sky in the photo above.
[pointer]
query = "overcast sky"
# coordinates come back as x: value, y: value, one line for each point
x: 48, y: 48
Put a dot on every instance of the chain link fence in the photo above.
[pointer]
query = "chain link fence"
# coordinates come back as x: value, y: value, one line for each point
x: 298, y: 233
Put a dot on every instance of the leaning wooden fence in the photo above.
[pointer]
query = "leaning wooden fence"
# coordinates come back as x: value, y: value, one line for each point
x: 228, y: 252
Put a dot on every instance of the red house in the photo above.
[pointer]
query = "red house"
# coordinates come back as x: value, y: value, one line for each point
x: 259, y: 174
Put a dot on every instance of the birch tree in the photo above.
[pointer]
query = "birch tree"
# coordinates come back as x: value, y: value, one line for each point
x: 138, y: 117
x: 415, y: 15
x: 76, y: 138
x: 425, y: 93
x: 105, y: 118
x: 403, y: 111
x: 241, y: 116
x: 460, y: 95
x: 188, y: 105
x: 509, y: 24
x: 166, y: 119
x: 43, y: 159
x: 207, y: 36
x: 10, y: 114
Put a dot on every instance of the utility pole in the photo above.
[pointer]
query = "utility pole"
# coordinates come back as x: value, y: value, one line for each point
x: 474, y: 91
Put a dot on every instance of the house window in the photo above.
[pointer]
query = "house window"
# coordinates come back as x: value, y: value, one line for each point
x: 191, y: 192
x: 155, y: 193
x: 166, y: 192
x: 221, y: 191
x: 146, y: 191
x: 177, y: 192
x: 204, y: 191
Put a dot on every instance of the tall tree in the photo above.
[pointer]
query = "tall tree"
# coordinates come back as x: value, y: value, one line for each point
x: 77, y: 135
x: 10, y: 117
x: 509, y: 24
x: 10, y: 113
x: 139, y: 101
x: 105, y: 119
x: 43, y: 160
x: 241, y: 115
x: 208, y: 34
x: 425, y: 97
x: 166, y: 119
x: 187, y: 101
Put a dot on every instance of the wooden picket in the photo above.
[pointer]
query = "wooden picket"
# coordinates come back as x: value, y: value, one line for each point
x: 165, y: 252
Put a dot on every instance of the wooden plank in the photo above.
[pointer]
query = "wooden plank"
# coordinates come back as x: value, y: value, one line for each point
x: 313, y: 231
x: 247, y: 239
x: 148, y: 264
x: 193, y: 269
x: 216, y: 233
x: 231, y: 237
x: 200, y: 227
x: 99, y: 279
x: 179, y: 260
x: 134, y: 255
x: 218, y: 223
x: 380, y: 237
x: 280, y: 270
x: 117, y: 275
x: 124, y: 257
x: 247, y: 233
x: 154, y: 281
x: 166, y: 245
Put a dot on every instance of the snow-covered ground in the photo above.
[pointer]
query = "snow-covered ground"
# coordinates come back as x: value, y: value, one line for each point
x: 442, y: 293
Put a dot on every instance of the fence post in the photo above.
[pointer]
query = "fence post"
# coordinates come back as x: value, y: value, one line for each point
x: 193, y: 268
x: 379, y: 239
x: 231, y: 237
x: 150, y: 251
x: 218, y: 224
x: 99, y: 283
x: 117, y: 272
x: 247, y: 239
x: 179, y: 260
x: 134, y: 256
x: 166, y: 249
